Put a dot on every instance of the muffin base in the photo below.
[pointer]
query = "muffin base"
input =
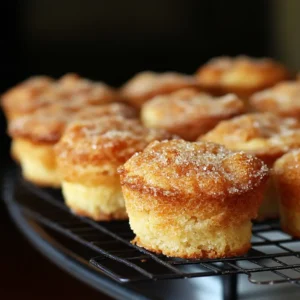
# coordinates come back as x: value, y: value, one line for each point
x: 189, y: 237
x: 102, y: 202
x: 14, y: 151
x: 290, y: 220
x: 37, y: 161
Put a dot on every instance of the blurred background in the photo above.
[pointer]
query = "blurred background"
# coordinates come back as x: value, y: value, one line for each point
x: 111, y: 41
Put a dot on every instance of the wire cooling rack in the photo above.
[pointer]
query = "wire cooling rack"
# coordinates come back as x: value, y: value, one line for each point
x: 273, y: 258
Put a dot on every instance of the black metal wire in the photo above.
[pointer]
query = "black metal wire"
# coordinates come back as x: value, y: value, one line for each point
x: 126, y: 262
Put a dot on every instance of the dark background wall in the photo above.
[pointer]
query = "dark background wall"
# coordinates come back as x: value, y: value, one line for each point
x: 112, y: 40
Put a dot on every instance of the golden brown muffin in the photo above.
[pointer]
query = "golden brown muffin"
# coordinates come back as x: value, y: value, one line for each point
x: 241, y: 75
x: 23, y: 93
x: 265, y: 135
x: 146, y: 85
x: 192, y: 200
x: 69, y: 89
x: 287, y: 173
x: 283, y: 99
x: 189, y: 113
x: 35, y: 135
x: 88, y: 156
x: 33, y: 139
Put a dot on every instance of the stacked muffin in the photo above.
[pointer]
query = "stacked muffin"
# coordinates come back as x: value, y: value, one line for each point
x: 180, y: 155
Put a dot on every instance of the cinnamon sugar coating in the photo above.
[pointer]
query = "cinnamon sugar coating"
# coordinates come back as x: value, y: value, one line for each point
x: 47, y: 124
x: 24, y: 92
x: 146, y: 85
x: 264, y: 134
x: 241, y: 75
x: 189, y: 113
x: 283, y: 99
x: 186, y: 177
x: 108, y: 140
x: 69, y: 88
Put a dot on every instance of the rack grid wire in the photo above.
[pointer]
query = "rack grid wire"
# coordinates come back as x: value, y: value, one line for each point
x: 273, y: 258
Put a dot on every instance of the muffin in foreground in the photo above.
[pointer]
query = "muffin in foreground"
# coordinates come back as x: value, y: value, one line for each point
x: 192, y: 200
x: 146, y: 85
x: 241, y: 75
x: 287, y: 173
x: 264, y: 135
x: 88, y: 156
x: 35, y: 135
x: 283, y: 99
x: 189, y: 113
x: 25, y: 92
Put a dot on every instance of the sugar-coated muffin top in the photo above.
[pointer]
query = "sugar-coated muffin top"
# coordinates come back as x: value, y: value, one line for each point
x: 189, y: 111
x: 264, y: 134
x: 47, y: 124
x: 107, y: 139
x: 26, y: 91
x: 241, y: 72
x: 147, y: 84
x: 72, y: 87
x: 200, y: 177
x: 282, y: 99
x: 69, y: 88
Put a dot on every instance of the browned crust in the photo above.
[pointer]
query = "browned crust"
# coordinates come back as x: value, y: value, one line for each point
x: 183, y: 188
x: 213, y: 76
x: 71, y: 88
x: 270, y: 105
x: 201, y: 254
x: 117, y: 215
x: 25, y: 92
x: 161, y: 84
x: 47, y: 124
x: 188, y: 113
x: 286, y: 173
x: 193, y: 128
x: 235, y: 209
x: 110, y: 140
x: 282, y: 99
x: 279, y: 135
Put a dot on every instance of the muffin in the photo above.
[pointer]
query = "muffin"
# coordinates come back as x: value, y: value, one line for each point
x: 241, y: 75
x: 146, y: 85
x: 88, y: 156
x: 35, y: 135
x: 23, y: 93
x: 287, y: 173
x: 192, y: 199
x: 189, y: 113
x: 265, y: 135
x: 283, y: 99
x: 69, y: 89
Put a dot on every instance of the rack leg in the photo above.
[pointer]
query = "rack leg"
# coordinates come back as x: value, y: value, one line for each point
x: 230, y: 287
